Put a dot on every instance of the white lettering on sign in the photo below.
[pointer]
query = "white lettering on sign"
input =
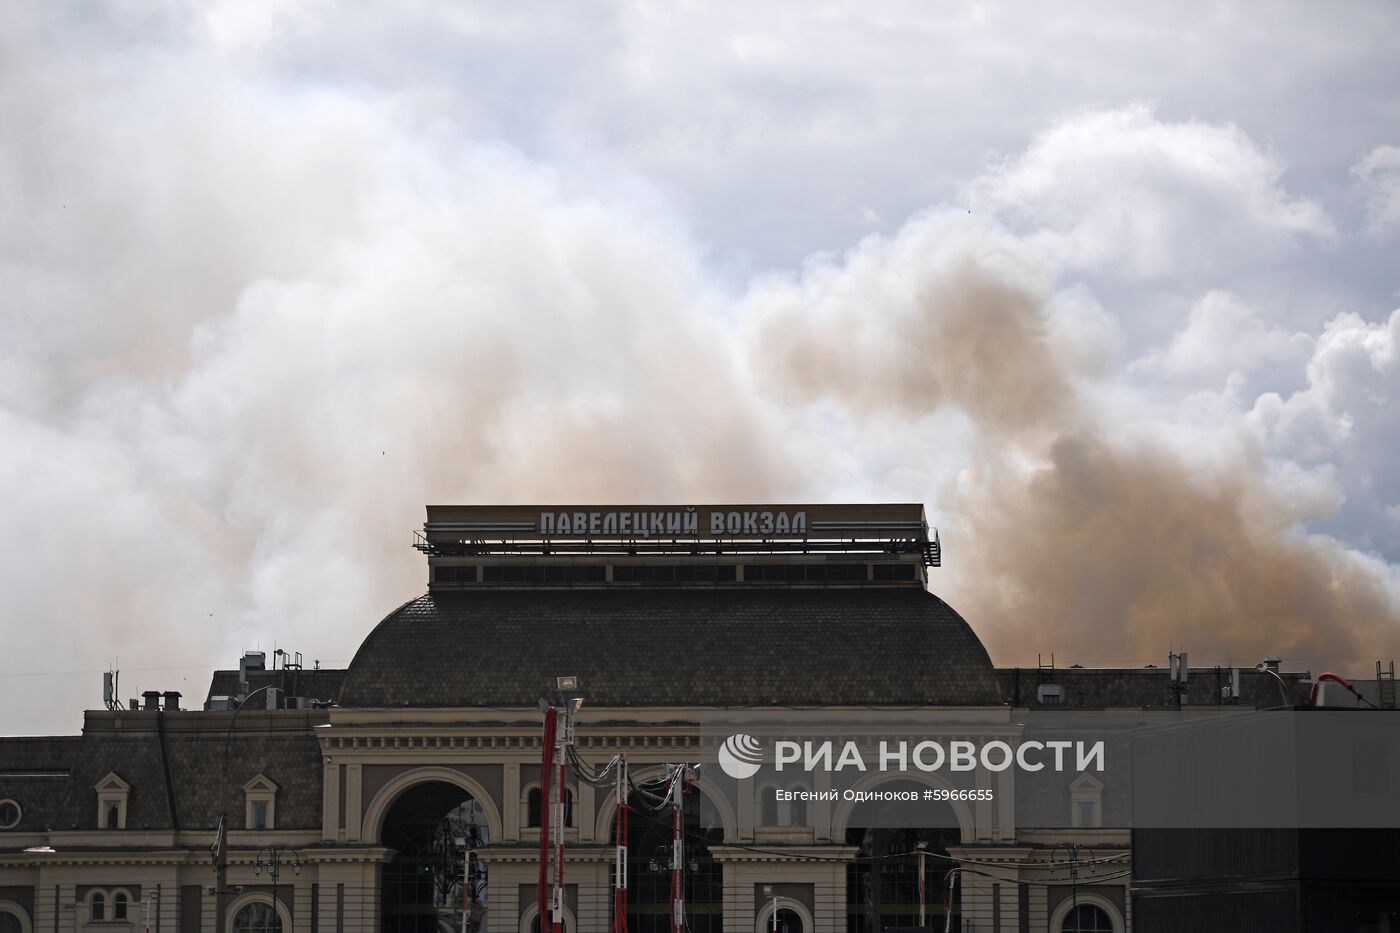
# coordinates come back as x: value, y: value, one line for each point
x: 671, y: 524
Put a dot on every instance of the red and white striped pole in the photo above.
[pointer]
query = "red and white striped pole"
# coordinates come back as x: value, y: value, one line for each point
x: 620, y: 836
x: 551, y: 721
x: 558, y: 798
x: 677, y: 852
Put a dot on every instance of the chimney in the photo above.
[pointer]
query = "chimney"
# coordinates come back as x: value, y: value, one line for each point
x: 172, y: 701
x: 152, y: 698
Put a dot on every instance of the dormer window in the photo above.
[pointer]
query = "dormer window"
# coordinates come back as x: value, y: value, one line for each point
x: 1086, y: 802
x: 9, y: 814
x: 112, y: 794
x: 260, y: 803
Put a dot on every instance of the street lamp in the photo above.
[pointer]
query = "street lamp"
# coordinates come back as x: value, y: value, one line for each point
x: 1074, y: 849
x: 773, y: 917
x: 218, y: 852
x: 1270, y: 666
x: 275, y: 855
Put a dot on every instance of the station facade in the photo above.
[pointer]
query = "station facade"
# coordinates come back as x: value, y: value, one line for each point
x: 403, y: 794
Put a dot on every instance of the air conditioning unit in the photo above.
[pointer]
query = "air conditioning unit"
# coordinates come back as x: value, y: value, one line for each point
x: 296, y: 703
x: 219, y: 703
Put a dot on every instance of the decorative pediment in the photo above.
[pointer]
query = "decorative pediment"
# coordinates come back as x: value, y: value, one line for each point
x: 112, y: 784
x: 261, y: 783
x: 1086, y: 802
x: 1086, y: 782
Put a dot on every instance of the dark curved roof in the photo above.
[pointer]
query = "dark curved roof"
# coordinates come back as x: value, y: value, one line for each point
x: 660, y: 647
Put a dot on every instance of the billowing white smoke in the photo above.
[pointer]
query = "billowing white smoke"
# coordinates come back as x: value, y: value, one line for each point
x: 247, y: 333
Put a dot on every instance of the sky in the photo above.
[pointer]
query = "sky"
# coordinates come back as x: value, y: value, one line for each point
x: 1111, y: 288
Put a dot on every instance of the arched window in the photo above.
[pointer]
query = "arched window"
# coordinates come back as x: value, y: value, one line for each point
x: 789, y: 921
x: 534, y: 806
x: 257, y: 917
x: 534, y: 803
x: 768, y: 805
x: 11, y: 920
x: 119, y: 902
x: 1087, y: 918
x: 533, y: 924
x: 797, y: 812
x: 97, y: 907
x: 9, y: 814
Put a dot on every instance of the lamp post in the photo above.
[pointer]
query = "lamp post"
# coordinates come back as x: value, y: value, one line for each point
x: 1074, y: 849
x: 773, y: 916
x: 1265, y: 667
x: 923, y: 887
x: 275, y: 855
x: 150, y: 907
x: 219, y: 850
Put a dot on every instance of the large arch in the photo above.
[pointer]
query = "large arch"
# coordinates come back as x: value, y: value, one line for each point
x: 882, y: 883
x: 967, y: 823
x: 607, y: 806
x: 649, y: 842
x: 373, y: 824
x: 422, y: 885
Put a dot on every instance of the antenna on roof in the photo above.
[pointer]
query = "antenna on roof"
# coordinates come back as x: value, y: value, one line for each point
x: 110, y: 689
x: 1180, y: 668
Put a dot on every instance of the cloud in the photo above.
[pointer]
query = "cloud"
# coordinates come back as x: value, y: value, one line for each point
x: 1223, y: 338
x: 222, y: 441
x: 1343, y: 421
x: 1378, y: 177
x: 275, y: 276
x: 1113, y: 514
x: 1125, y: 192
x: 944, y: 313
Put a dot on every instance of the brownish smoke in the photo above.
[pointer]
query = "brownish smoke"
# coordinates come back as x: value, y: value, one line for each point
x: 1108, y: 555
x: 1103, y: 552
x: 976, y: 342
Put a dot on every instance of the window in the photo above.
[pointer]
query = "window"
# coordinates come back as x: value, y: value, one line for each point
x: 534, y: 802
x: 9, y: 814
x: 257, y: 917
x: 1087, y: 918
x: 789, y: 921
x: 260, y: 803
x: 797, y: 809
x: 768, y: 806
x: 119, y: 902
x: 11, y: 921
x: 112, y: 793
x: 97, y: 907
x: 1086, y: 802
